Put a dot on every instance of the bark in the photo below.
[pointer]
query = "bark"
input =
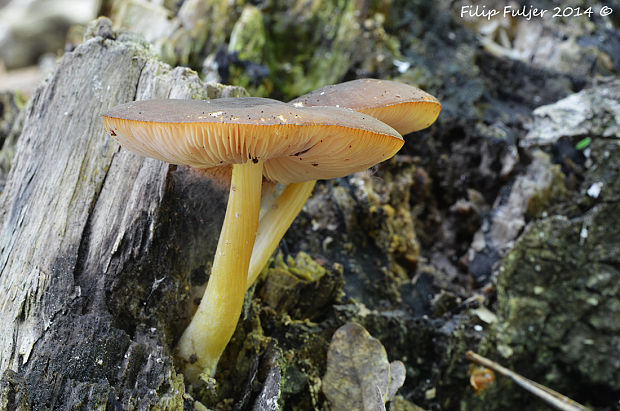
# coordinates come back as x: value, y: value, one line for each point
x: 99, y: 247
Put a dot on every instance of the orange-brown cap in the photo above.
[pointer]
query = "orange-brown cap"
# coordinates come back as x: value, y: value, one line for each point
x: 404, y: 107
x: 296, y: 143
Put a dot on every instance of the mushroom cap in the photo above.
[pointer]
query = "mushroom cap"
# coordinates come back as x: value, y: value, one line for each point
x: 295, y: 143
x: 404, y: 107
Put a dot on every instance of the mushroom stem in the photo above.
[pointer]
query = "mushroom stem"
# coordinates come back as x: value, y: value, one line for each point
x: 275, y: 222
x: 214, y: 323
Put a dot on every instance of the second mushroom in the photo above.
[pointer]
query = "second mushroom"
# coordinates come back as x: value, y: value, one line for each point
x: 401, y: 106
x: 257, y: 136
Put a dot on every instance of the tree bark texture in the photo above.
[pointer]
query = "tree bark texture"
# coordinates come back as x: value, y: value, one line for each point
x: 99, y: 247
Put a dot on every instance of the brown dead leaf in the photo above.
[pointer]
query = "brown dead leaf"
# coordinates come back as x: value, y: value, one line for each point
x: 359, y: 376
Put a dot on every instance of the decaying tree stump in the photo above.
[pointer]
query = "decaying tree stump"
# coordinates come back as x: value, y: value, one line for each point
x: 92, y: 235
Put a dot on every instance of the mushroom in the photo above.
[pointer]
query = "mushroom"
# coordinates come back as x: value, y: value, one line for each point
x: 257, y: 136
x: 403, y: 107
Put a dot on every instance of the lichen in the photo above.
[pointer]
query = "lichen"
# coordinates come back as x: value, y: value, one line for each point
x: 174, y: 396
x: 13, y: 392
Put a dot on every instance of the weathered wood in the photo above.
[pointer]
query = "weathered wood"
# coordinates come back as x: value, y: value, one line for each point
x: 91, y: 234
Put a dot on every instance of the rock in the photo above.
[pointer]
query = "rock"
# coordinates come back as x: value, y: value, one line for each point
x: 591, y: 112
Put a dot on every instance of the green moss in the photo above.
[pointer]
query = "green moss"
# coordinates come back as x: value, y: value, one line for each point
x: 204, y: 25
x: 304, y: 45
x: 248, y: 36
x: 311, y: 44
x: 247, y: 41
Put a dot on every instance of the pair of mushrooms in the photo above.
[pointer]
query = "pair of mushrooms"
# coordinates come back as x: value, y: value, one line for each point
x: 331, y: 132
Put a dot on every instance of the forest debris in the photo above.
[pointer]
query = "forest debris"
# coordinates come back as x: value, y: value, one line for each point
x: 397, y: 378
x: 358, y: 375
x: 485, y: 315
x: 286, y: 280
x: 480, y: 378
x: 553, y: 398
x: 531, y: 193
x: 268, y: 398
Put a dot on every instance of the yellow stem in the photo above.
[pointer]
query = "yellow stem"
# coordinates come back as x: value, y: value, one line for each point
x: 275, y: 222
x: 214, y: 323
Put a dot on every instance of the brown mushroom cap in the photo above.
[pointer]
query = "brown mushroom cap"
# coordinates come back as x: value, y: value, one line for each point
x: 404, y: 107
x: 296, y: 144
